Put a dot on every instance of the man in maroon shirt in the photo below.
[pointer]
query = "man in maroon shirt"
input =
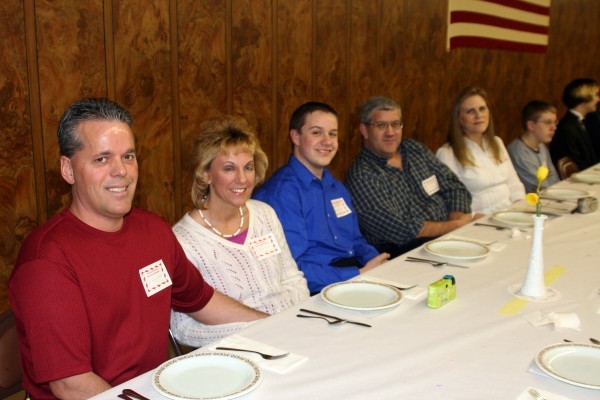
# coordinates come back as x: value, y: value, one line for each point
x: 93, y: 287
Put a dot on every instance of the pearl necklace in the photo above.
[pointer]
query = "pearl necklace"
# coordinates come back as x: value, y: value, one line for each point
x: 218, y: 232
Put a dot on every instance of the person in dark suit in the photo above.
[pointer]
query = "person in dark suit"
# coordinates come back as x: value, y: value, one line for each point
x: 572, y: 139
x: 592, y: 125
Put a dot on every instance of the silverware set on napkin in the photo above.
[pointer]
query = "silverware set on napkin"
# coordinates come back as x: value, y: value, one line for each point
x: 263, y: 355
x: 331, y: 319
x: 498, y: 227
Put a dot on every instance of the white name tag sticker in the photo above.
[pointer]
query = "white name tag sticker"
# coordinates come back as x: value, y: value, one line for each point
x: 340, y: 207
x: 155, y: 278
x: 431, y: 185
x: 264, y: 246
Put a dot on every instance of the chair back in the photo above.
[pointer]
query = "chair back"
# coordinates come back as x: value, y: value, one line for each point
x: 566, y: 167
x: 10, y: 371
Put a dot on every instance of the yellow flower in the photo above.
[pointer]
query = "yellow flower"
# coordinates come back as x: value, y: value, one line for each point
x: 542, y: 174
x: 532, y: 198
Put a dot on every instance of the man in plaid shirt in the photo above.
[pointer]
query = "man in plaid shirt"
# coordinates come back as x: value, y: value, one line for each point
x: 402, y: 193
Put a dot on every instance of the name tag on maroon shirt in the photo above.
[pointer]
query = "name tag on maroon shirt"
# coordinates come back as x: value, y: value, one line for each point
x: 155, y: 277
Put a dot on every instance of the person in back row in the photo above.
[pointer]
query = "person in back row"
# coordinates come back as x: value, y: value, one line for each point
x: 530, y: 151
x: 403, y: 195
x: 236, y: 243
x: 315, y: 210
x: 571, y: 138
x: 477, y: 156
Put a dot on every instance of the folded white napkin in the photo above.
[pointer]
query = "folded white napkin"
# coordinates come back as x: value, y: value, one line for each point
x: 494, y: 246
x: 560, y: 320
x: 281, y: 365
x: 558, y: 206
x: 416, y: 293
x: 548, y: 395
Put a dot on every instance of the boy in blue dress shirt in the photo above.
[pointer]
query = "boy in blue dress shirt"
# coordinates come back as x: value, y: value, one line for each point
x: 315, y: 209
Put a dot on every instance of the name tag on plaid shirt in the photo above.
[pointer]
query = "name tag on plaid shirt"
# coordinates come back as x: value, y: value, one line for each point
x: 431, y: 185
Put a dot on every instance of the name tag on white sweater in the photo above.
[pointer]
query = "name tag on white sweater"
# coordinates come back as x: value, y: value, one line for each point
x: 264, y: 246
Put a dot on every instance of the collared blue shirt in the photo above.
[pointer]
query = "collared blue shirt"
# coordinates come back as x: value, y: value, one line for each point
x: 315, y: 233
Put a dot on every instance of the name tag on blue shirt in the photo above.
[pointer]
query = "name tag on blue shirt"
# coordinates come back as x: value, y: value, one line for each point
x: 340, y: 207
x: 431, y: 185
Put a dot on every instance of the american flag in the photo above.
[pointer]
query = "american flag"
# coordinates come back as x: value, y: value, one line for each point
x: 520, y: 25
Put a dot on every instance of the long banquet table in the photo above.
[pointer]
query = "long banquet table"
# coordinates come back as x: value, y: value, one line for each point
x: 478, y: 346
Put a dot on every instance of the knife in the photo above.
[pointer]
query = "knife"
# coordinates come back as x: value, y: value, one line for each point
x: 499, y: 227
x: 128, y: 394
x: 334, y: 317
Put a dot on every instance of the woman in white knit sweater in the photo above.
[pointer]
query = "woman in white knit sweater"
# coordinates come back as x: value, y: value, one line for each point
x: 477, y: 156
x: 237, y: 243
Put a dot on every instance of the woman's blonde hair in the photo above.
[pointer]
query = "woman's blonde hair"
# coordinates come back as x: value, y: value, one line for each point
x: 224, y: 134
x: 456, y: 136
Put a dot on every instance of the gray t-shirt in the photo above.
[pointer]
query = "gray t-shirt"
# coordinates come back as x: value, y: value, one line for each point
x: 527, y: 162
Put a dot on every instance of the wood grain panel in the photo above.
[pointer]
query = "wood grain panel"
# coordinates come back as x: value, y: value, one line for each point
x: 364, y: 68
x: 18, y: 213
x: 71, y: 52
x: 391, y: 57
x: 293, y: 68
x: 438, y: 99
x: 143, y: 83
x: 202, y: 70
x: 260, y: 59
x: 252, y: 65
x: 333, y: 70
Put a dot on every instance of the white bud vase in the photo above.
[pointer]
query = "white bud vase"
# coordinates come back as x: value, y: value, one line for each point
x: 534, y: 285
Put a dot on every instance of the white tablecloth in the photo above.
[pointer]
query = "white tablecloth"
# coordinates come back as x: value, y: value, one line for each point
x: 477, y: 346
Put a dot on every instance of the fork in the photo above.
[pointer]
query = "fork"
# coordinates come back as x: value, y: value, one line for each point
x: 334, y: 322
x: 535, y: 394
x: 263, y: 355
x: 434, y: 263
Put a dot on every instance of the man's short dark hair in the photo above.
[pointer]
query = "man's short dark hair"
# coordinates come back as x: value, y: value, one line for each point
x: 299, y: 115
x: 533, y: 110
x: 578, y: 91
x: 90, y: 109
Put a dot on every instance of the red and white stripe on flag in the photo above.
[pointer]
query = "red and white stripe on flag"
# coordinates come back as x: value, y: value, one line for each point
x: 520, y: 25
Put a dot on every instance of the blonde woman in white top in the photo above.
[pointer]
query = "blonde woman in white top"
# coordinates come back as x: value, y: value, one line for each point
x: 477, y: 156
x: 238, y: 244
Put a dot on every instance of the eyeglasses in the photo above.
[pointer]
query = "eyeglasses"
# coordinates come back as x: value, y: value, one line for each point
x: 548, y: 122
x: 383, y: 125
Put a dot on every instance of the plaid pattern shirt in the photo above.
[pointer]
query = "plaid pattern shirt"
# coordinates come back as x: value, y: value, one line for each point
x: 392, y: 204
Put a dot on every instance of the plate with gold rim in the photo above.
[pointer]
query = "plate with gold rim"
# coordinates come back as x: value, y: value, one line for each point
x: 515, y: 219
x: 574, y: 363
x: 204, y: 376
x: 563, y: 194
x: 586, y: 178
x: 457, y: 249
x: 361, y: 295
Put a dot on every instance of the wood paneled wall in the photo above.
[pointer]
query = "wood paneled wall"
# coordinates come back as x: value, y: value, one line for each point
x: 175, y: 63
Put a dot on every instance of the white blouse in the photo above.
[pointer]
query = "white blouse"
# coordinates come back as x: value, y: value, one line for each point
x: 269, y: 284
x: 493, y: 186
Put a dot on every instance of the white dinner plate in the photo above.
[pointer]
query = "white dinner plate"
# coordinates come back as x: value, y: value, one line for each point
x: 517, y: 219
x: 564, y: 194
x: 206, y: 376
x: 361, y: 295
x: 574, y: 363
x: 586, y: 178
x: 457, y: 249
